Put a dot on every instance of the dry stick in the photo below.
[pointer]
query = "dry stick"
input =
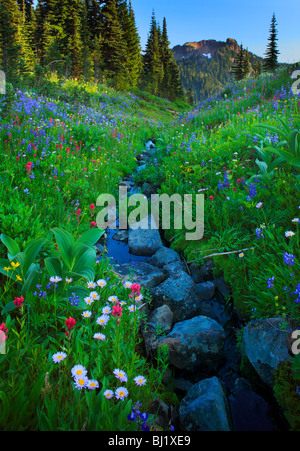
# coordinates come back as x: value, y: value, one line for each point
x: 224, y: 253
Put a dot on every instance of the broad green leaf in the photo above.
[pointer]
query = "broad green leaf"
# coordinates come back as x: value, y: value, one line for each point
x: 53, y: 265
x: 30, y: 253
x: 12, y: 246
x: 65, y: 244
x: 30, y: 281
x: 8, y: 308
x: 91, y: 237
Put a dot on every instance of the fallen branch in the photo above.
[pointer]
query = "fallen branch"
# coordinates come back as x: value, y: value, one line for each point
x: 224, y: 253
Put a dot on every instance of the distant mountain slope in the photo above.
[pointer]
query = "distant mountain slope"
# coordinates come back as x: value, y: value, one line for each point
x: 206, y: 66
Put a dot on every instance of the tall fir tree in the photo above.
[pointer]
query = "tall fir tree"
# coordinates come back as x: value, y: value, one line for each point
x: 238, y: 68
x: 246, y: 64
x: 271, y: 55
x: 11, y: 61
x: 153, y: 69
x: 171, y: 86
x: 132, y: 40
x: 113, y: 45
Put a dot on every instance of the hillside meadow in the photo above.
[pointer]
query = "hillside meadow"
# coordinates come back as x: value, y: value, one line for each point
x: 73, y: 356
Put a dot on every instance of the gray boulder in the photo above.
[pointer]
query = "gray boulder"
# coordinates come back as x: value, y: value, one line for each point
x: 163, y: 257
x: 195, y: 343
x: 206, y: 290
x: 162, y: 317
x: 146, y: 275
x: 182, y: 296
x: 205, y: 407
x: 264, y: 344
x: 174, y: 269
x: 144, y: 241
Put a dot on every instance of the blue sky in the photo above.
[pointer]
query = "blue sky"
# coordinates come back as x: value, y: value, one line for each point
x: 246, y: 21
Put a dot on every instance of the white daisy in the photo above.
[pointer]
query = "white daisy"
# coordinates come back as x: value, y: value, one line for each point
x: 132, y: 308
x: 140, y: 380
x: 91, y: 284
x: 94, y: 295
x: 81, y: 382
x: 55, y: 279
x: 92, y: 384
x: 121, y: 393
x: 99, y: 336
x: 102, y: 320
x: 88, y: 300
x: 58, y: 357
x: 289, y: 233
x: 127, y: 284
x: 120, y: 375
x: 113, y: 298
x: 69, y: 280
x: 78, y: 371
x: 139, y: 298
x: 106, y: 310
x: 86, y: 314
x: 101, y: 283
x: 108, y: 394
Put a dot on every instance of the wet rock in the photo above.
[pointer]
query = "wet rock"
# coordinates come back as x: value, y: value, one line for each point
x: 150, y: 145
x: 195, y: 273
x: 163, y: 257
x: 146, y: 240
x: 206, y: 290
x: 121, y: 235
x: 99, y: 248
x: 162, y: 317
x: 264, y: 344
x: 146, y: 275
x: 205, y: 407
x: 194, y: 343
x: 206, y: 271
x: 174, y: 269
x: 182, y: 296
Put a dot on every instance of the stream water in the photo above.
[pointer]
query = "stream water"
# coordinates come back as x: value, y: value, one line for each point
x: 250, y: 411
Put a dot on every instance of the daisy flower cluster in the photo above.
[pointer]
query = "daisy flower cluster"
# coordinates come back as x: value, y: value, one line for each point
x: 121, y: 392
x: 81, y: 380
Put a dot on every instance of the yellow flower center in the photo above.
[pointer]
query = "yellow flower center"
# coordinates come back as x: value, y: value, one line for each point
x: 81, y: 381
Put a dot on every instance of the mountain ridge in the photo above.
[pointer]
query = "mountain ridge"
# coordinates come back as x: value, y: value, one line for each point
x: 206, y: 65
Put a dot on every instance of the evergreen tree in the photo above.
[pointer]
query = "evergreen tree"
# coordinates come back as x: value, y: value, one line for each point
x: 271, y: 55
x: 153, y: 69
x: 246, y: 64
x: 11, y: 60
x: 133, y: 48
x: 113, y: 45
x: 238, y: 68
x: 171, y: 86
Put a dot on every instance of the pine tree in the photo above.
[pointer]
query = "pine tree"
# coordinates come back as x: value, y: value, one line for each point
x: 246, y: 64
x: 113, y: 45
x: 171, y: 86
x: 133, y: 48
x: 153, y: 70
x: 11, y: 61
x: 271, y: 55
x: 238, y: 68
